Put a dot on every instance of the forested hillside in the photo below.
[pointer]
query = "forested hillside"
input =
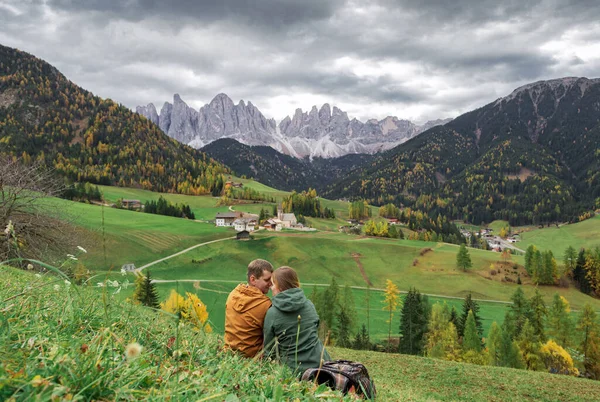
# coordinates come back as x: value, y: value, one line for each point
x: 531, y: 157
x: 282, y: 171
x: 45, y: 117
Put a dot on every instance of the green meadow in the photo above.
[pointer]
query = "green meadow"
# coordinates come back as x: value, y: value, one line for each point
x: 584, y: 234
x: 115, y: 237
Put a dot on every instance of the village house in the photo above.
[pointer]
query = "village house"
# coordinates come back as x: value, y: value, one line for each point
x: 131, y: 204
x: 393, y: 221
x: 248, y: 224
x: 233, y: 184
x: 273, y: 224
x: 226, y: 218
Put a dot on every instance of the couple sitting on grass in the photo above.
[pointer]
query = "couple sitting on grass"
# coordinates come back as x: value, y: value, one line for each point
x: 284, y: 328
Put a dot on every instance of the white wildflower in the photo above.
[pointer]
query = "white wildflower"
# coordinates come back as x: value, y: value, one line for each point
x: 29, y: 267
x: 73, y: 258
x: 123, y: 272
x: 57, y: 287
x: 70, y: 255
x: 31, y: 342
x: 133, y: 351
x: 82, y: 249
x: 116, y: 292
x: 100, y: 284
x: 9, y: 228
x: 125, y: 284
x: 38, y: 275
x: 67, y: 283
x: 112, y: 284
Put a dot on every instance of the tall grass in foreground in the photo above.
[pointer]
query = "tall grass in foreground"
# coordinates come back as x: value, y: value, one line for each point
x: 60, y: 344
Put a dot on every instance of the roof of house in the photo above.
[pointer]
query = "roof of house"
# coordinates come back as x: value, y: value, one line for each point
x: 227, y: 214
x: 288, y: 217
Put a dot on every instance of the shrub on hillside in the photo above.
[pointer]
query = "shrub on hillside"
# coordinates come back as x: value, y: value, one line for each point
x: 557, y: 359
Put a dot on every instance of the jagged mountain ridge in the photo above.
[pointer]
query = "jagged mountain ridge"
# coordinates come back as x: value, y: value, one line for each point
x: 530, y: 157
x: 326, y: 132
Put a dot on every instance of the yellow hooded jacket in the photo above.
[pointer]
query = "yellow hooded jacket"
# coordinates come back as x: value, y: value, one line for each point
x: 244, y: 318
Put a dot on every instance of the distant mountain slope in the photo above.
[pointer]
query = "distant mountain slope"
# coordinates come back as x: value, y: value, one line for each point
x: 326, y: 132
x: 531, y: 157
x: 44, y: 116
x: 279, y: 170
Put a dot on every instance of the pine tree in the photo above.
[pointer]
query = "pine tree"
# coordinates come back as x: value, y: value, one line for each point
x: 510, y: 355
x: 150, y: 294
x: 538, y: 315
x: 463, y: 259
x: 494, y: 342
x: 519, y: 310
x: 471, y: 340
x: 413, y: 324
x: 362, y: 340
x: 441, y: 338
x: 529, y: 346
x: 330, y: 305
x: 453, y: 317
x: 529, y: 259
x: 587, y: 326
x: 569, y: 260
x: 344, y: 328
x: 347, y: 302
x: 579, y: 273
x: 469, y: 305
x: 560, y: 325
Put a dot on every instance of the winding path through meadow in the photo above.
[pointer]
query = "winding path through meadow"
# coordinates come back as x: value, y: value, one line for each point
x: 138, y: 270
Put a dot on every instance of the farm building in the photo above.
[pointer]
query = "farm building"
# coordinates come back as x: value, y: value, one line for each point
x: 243, y: 235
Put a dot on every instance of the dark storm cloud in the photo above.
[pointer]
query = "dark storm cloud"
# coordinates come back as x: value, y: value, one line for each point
x: 258, y: 13
x: 424, y: 58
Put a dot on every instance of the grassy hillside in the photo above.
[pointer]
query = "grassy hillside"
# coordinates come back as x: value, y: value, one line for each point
x: 116, y: 237
x: 67, y: 342
x: 60, y: 342
x: 584, y: 234
x: 411, y: 378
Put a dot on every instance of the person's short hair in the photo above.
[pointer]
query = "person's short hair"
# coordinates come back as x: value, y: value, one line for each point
x: 285, y: 278
x: 256, y: 268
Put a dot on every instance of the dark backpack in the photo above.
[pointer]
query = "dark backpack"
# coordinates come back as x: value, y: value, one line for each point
x: 343, y: 375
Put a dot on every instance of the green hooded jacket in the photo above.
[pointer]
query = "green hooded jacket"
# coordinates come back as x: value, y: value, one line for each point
x: 293, y: 316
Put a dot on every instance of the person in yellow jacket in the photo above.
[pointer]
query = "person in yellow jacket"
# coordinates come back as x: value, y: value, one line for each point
x: 246, y: 308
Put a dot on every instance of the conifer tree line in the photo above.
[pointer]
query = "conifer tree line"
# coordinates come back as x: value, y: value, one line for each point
x: 534, y: 335
x: 167, y: 208
x: 84, y: 192
x: 306, y: 203
x: 85, y: 138
x: 425, y: 227
x: 582, y: 267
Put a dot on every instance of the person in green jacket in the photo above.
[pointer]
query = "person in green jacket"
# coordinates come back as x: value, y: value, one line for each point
x: 291, y: 324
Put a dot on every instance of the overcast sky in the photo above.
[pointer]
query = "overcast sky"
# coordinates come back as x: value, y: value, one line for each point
x: 415, y: 59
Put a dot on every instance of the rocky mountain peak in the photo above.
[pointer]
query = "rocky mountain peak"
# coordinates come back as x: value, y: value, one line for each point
x: 321, y: 132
